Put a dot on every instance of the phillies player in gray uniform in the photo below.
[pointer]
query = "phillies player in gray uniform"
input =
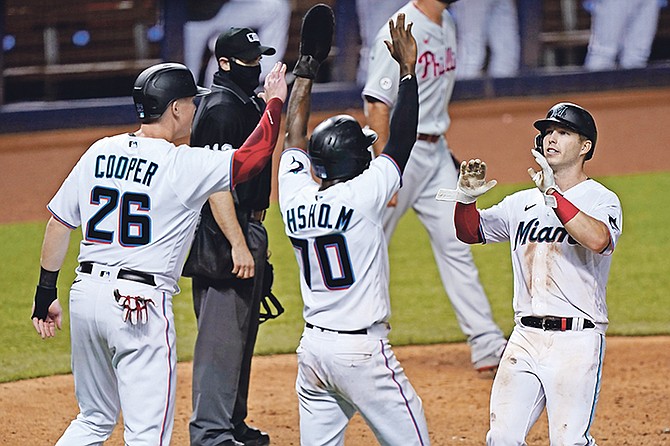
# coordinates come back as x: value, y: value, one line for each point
x: 561, y: 236
x: 345, y: 362
x: 431, y: 166
x: 137, y: 197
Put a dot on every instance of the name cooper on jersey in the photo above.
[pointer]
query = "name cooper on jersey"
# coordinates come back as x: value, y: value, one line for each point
x: 318, y: 215
x: 123, y: 167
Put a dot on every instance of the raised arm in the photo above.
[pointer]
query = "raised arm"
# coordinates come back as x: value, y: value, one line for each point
x: 316, y: 35
x: 250, y: 159
x: 402, y: 131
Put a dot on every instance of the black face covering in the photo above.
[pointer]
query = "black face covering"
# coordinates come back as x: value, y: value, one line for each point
x: 245, y: 77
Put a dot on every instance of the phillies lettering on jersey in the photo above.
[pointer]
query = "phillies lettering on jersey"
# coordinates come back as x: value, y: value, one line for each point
x: 428, y: 64
x: 435, y: 68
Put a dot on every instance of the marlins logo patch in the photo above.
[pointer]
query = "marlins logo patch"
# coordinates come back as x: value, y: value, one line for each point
x: 298, y: 168
x: 613, y: 223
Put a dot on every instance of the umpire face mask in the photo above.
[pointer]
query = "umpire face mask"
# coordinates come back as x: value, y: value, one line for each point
x: 246, y: 76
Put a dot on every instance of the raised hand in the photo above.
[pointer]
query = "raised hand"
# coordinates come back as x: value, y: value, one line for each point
x: 402, y: 45
x: 275, y: 84
x: 544, y: 179
x: 471, y: 183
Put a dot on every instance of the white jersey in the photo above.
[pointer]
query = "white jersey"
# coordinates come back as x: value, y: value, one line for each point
x: 553, y: 274
x: 339, y: 241
x: 138, y: 204
x: 435, y: 68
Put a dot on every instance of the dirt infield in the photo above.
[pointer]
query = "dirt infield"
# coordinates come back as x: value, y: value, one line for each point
x: 635, y: 397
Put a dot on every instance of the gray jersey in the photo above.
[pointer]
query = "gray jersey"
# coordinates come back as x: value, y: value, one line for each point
x: 435, y: 69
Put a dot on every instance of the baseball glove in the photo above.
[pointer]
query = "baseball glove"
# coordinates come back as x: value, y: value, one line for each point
x: 316, y: 35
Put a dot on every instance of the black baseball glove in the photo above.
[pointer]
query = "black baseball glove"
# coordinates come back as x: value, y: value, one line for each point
x: 316, y: 35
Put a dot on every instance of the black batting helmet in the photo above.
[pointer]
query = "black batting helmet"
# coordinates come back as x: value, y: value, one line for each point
x: 157, y: 86
x: 339, y: 148
x: 573, y: 117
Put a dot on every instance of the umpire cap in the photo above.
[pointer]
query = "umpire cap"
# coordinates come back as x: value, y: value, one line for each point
x: 159, y: 85
x: 339, y: 148
x: 574, y: 118
x: 242, y: 43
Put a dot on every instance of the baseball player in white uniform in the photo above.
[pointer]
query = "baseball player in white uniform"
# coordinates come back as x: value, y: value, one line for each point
x: 345, y: 362
x: 135, y: 197
x: 483, y: 25
x: 431, y: 166
x: 561, y: 236
x: 623, y: 31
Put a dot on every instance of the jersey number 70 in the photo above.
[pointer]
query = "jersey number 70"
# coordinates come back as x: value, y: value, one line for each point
x: 328, y: 249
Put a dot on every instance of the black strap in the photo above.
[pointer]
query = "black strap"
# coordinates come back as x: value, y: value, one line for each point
x: 362, y: 331
x: 552, y: 323
x: 125, y: 274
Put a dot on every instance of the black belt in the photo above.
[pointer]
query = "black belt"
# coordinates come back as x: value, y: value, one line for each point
x: 125, y: 274
x: 427, y: 137
x: 362, y: 331
x: 552, y: 323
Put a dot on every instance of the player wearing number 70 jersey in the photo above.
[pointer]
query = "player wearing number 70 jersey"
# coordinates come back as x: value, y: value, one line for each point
x: 137, y: 197
x: 345, y: 362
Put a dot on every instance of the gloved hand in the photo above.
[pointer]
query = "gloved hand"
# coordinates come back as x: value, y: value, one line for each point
x: 544, y: 179
x: 471, y: 183
x: 316, y: 35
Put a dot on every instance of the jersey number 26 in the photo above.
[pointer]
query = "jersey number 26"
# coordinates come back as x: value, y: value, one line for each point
x: 134, y: 229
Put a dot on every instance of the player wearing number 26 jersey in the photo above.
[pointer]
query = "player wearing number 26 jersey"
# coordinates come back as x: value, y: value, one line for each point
x: 137, y: 197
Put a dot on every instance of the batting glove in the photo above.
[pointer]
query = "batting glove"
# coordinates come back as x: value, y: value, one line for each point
x: 471, y: 183
x: 544, y: 179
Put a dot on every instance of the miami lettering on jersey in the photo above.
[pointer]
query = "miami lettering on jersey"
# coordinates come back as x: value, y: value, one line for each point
x: 526, y: 232
x: 123, y: 167
x: 318, y: 215
x: 430, y: 65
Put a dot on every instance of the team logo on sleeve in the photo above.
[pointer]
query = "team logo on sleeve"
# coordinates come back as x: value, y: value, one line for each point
x: 298, y: 168
x: 613, y: 223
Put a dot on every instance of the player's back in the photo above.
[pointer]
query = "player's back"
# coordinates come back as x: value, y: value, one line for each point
x: 137, y: 201
x: 339, y: 241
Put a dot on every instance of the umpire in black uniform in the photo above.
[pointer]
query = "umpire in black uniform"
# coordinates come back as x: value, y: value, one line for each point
x: 228, y: 259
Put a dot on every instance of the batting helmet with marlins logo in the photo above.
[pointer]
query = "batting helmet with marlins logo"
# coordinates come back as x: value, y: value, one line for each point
x: 157, y: 86
x: 339, y: 148
x: 574, y: 118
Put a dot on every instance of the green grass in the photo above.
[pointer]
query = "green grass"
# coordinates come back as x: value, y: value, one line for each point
x: 637, y: 291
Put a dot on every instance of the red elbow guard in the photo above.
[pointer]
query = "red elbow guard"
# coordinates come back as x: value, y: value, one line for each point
x: 250, y: 159
x: 466, y: 220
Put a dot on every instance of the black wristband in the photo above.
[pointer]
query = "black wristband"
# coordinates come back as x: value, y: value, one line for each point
x: 307, y: 67
x: 44, y: 296
x: 48, y: 279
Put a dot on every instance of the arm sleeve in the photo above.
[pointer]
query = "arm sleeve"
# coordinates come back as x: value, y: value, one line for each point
x: 402, y: 132
x: 466, y: 220
x: 251, y: 158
